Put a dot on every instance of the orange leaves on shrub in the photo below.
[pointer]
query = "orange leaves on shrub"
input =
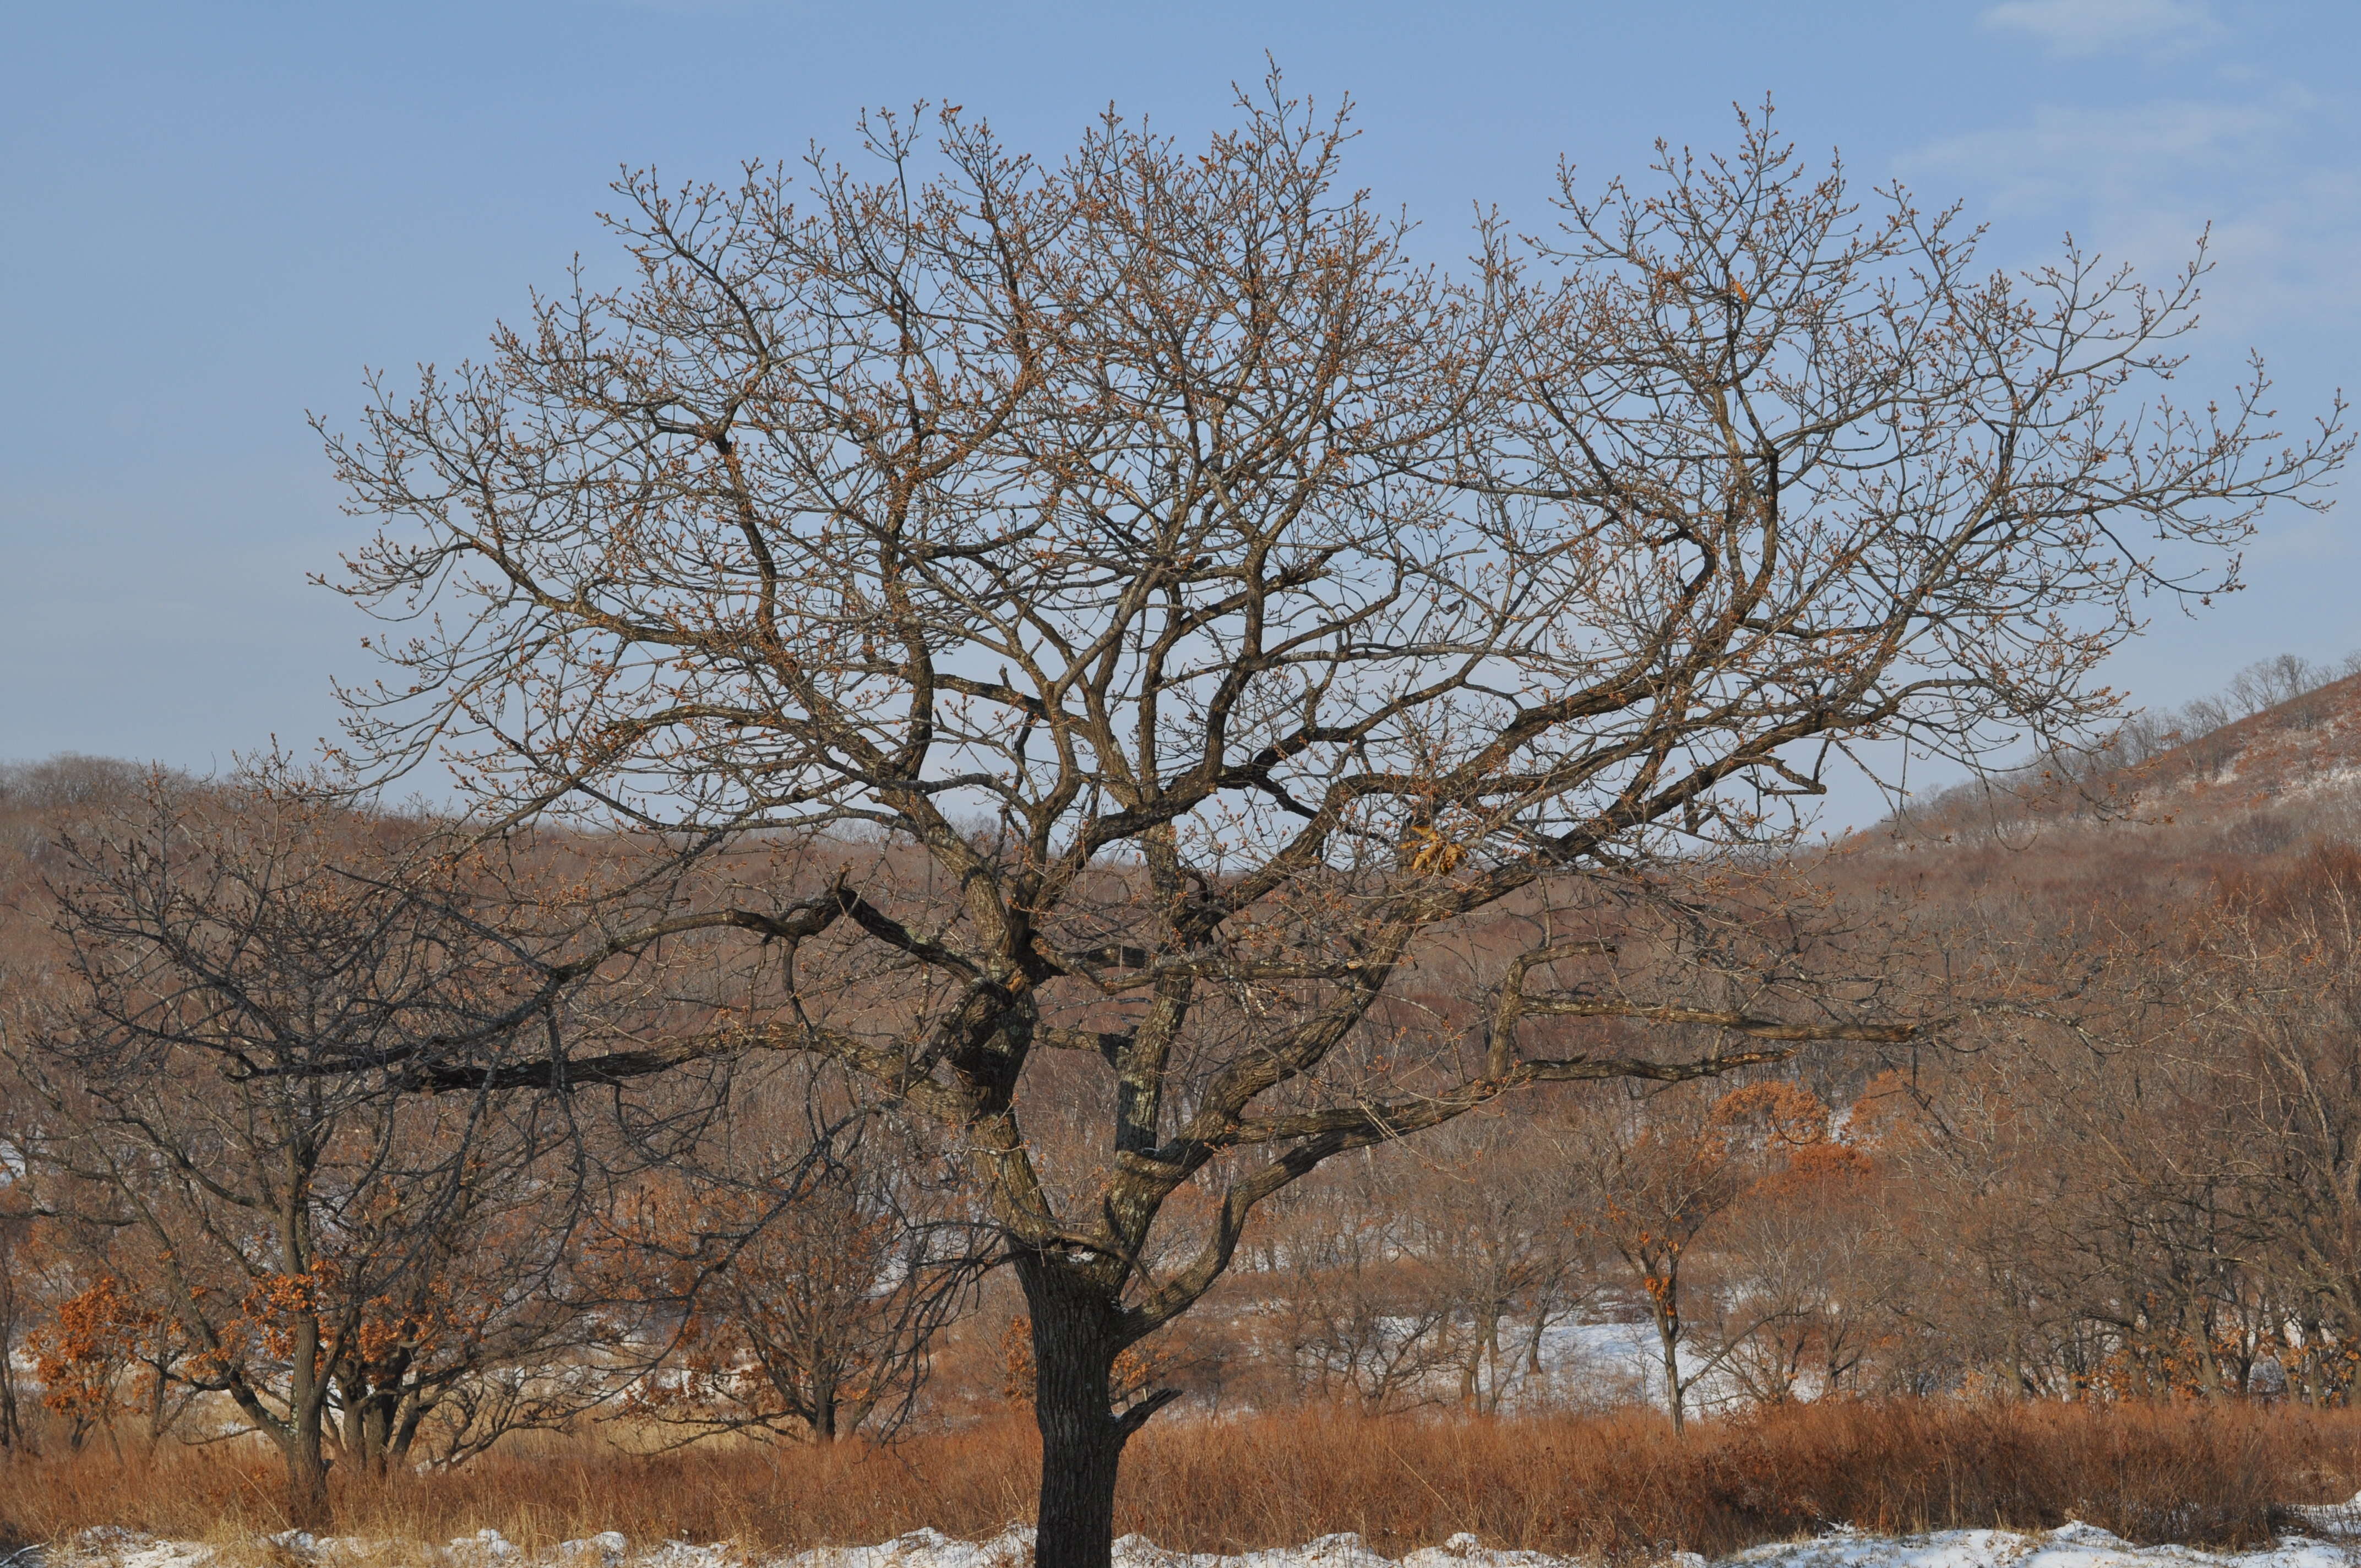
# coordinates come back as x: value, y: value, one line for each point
x: 82, y: 1354
x: 1774, y: 1113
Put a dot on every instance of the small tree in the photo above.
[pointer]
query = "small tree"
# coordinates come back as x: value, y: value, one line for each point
x: 1356, y: 1307
x: 216, y: 1080
x: 813, y: 1289
x: 1649, y: 1176
x: 86, y: 1353
x: 1812, y: 1283
x: 1284, y: 673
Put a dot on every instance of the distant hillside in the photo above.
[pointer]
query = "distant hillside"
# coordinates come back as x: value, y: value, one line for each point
x: 2296, y: 749
x: 2230, y: 793
x: 2285, y: 737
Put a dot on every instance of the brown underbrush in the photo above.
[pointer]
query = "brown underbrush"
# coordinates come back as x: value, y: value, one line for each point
x: 1611, y: 1489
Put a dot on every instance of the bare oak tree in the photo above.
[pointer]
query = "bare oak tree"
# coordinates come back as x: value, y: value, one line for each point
x: 212, y: 1086
x: 1272, y: 667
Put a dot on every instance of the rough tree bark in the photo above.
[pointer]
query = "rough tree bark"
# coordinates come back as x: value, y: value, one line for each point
x: 1078, y: 1332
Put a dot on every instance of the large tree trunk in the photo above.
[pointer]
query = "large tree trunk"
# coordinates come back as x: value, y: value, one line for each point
x: 364, y: 1425
x: 1077, y: 1333
x: 307, y: 1477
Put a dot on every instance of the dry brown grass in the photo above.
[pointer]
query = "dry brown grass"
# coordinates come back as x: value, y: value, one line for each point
x: 1613, y: 1488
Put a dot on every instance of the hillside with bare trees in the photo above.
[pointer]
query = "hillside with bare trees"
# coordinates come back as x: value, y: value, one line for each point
x: 1084, y: 790
x: 2134, y: 1182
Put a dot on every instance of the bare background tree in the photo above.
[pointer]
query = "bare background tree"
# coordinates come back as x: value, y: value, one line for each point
x: 216, y: 1110
x: 812, y: 1290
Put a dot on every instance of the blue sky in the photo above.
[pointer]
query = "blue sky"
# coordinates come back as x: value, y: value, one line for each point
x: 215, y: 215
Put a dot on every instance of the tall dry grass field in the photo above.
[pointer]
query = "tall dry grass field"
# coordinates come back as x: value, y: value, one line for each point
x: 1611, y: 1489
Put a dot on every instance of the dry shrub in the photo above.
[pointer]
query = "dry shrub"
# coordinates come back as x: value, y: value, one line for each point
x: 1621, y: 1488
x: 765, y: 1497
x: 1615, y: 1489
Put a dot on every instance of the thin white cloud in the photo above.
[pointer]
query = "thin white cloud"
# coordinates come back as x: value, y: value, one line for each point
x: 2073, y: 27
x: 2142, y: 180
x: 2111, y: 153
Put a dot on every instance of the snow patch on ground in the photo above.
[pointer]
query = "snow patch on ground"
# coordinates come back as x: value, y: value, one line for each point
x: 2072, y: 1546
